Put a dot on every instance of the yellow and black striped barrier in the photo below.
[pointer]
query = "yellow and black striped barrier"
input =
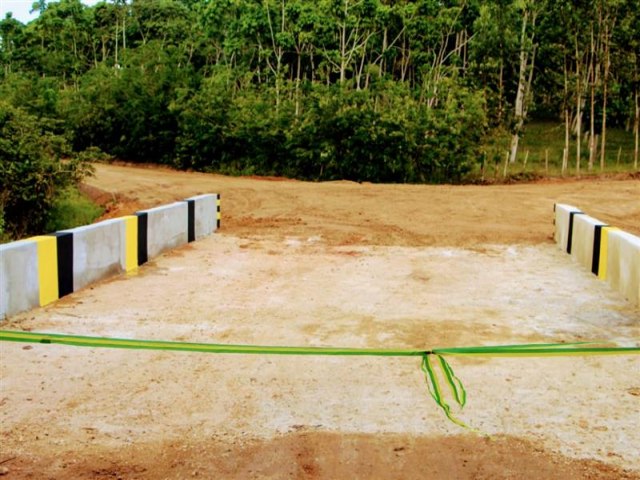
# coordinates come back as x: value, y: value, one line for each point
x: 47, y: 254
x: 608, y: 252
x: 39, y: 270
x: 601, y: 250
x: 218, y: 214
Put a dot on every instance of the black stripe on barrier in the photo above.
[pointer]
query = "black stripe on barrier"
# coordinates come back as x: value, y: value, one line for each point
x: 570, y: 236
x: 191, y: 222
x: 218, y: 211
x: 64, y: 247
x: 597, y: 240
x: 142, y: 237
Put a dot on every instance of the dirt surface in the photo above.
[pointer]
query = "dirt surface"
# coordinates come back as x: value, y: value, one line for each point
x: 344, y: 213
x: 334, y: 264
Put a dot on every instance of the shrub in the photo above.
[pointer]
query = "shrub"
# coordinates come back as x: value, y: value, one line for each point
x: 32, y: 172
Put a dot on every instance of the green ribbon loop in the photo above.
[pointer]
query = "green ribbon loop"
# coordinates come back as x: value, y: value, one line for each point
x: 435, y: 387
x: 435, y: 368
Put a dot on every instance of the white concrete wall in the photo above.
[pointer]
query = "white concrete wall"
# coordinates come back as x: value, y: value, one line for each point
x: 98, y: 251
x: 623, y: 264
x: 166, y: 228
x: 19, y: 283
x: 619, y: 251
x: 205, y: 214
x: 584, y: 228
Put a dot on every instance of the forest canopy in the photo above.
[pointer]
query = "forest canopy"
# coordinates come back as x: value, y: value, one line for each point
x: 375, y: 90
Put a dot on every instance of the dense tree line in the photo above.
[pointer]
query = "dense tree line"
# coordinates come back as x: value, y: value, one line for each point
x: 397, y: 91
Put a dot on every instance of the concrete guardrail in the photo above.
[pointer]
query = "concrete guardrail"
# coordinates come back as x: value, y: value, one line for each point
x: 609, y: 253
x: 39, y: 270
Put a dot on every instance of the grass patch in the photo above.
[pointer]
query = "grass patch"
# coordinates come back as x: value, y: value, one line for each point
x: 72, y: 209
x: 546, y: 139
x: 4, y: 236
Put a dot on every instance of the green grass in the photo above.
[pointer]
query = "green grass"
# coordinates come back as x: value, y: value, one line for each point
x: 4, y: 236
x: 72, y: 209
x: 547, y: 138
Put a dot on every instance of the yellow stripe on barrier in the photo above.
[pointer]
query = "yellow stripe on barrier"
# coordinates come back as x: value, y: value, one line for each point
x: 47, y: 268
x: 604, y: 246
x: 131, y: 242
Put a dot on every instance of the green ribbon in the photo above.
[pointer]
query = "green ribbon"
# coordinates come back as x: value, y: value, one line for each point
x: 436, y: 369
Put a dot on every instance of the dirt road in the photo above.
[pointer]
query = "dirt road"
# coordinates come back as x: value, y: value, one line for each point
x: 334, y: 264
x: 345, y: 213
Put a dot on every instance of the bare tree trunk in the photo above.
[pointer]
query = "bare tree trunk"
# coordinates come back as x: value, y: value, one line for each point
x: 500, y: 92
x: 117, y: 36
x: 513, y: 149
x: 506, y: 165
x: 607, y: 65
x: 567, y: 120
x: 578, y: 111
x: 298, y: 69
x: 404, y: 58
x: 525, y: 78
x: 520, y: 94
x: 313, y: 66
x: 592, y: 117
x: 343, y: 44
x: 636, y: 129
x: 360, y: 70
x: 384, y: 49
x: 546, y: 162
x: 565, y: 152
x: 277, y: 50
x: 529, y: 82
x: 465, y: 52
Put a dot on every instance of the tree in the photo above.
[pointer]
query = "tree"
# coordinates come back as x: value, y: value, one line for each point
x: 260, y: 85
x: 32, y: 172
x: 529, y: 10
x: 10, y: 30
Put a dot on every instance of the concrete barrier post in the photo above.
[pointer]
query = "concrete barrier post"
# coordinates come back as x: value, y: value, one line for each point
x: 584, y: 239
x: 64, y: 255
x: 129, y: 235
x: 19, y: 282
x: 564, y: 215
x: 610, y: 253
x: 39, y: 270
x: 167, y: 227
x: 202, y: 216
x: 29, y: 273
x: 98, y: 251
x: 623, y: 264
x: 219, y: 213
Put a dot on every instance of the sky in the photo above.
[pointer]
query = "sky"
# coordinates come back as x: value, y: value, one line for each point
x: 20, y: 9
